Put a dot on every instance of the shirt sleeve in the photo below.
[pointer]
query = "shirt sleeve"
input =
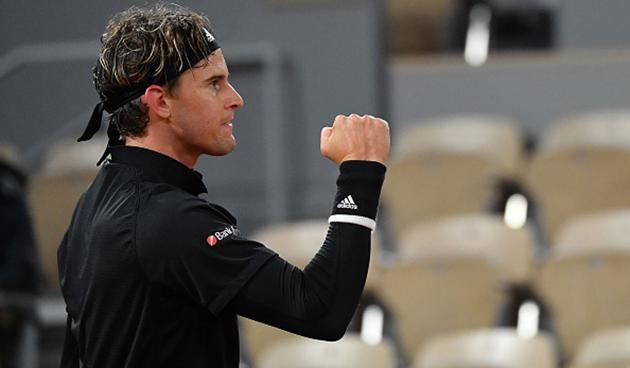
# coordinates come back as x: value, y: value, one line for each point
x: 195, y: 249
x: 319, y: 301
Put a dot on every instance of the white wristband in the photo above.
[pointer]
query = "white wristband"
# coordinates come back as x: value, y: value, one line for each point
x: 354, y: 219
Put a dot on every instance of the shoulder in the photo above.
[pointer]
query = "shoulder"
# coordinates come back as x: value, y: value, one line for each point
x: 164, y: 203
x: 179, y: 234
x: 172, y: 220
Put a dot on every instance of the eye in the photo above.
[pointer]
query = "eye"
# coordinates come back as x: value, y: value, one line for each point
x: 215, y: 85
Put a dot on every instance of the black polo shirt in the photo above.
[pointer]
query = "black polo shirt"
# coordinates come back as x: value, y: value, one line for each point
x: 147, y: 267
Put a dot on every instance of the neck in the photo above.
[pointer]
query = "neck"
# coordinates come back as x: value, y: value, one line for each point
x: 168, y: 150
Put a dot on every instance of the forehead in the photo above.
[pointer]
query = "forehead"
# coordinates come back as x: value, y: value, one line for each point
x: 212, y: 65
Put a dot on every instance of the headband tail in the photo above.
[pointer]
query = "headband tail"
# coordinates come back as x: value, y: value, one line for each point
x: 114, y: 140
x: 94, y: 125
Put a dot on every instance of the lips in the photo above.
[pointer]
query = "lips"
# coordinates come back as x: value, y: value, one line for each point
x: 228, y: 123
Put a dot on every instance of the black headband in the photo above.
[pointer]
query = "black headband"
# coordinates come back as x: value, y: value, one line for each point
x: 192, y: 57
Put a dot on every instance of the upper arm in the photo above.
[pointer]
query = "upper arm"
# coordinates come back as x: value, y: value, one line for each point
x: 183, y: 244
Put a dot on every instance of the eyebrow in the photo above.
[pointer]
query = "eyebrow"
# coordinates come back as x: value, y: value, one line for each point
x: 215, y: 76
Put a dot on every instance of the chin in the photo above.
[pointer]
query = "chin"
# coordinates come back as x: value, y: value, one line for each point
x: 221, y: 151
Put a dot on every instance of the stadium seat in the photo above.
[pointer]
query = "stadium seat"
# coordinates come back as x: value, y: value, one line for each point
x: 449, y: 166
x: 417, y: 26
x: 297, y: 242
x: 605, y: 349
x: 496, y: 348
x: 434, y: 289
x: 8, y: 153
x: 584, y: 281
x: 349, y: 352
x: 512, y: 250
x: 579, y: 168
x: 68, y: 170
x: 585, y: 233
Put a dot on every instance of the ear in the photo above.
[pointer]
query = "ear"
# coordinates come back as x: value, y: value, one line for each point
x: 154, y: 98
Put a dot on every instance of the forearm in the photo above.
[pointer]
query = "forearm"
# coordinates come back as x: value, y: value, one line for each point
x: 320, y: 301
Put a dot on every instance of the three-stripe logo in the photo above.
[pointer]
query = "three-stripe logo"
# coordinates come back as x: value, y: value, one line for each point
x: 348, y: 203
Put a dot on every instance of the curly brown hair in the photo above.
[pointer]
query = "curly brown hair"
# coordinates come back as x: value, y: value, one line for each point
x: 143, y: 46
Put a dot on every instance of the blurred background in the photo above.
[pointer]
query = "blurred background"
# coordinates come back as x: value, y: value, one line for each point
x: 504, y: 229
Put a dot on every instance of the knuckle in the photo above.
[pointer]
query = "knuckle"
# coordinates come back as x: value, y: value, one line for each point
x: 382, y: 122
x: 354, y: 117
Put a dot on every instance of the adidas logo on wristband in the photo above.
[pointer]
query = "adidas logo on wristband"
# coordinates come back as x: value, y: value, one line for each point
x: 348, y: 203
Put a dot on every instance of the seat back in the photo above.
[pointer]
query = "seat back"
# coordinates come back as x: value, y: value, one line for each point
x: 417, y: 26
x: 449, y: 166
x: 586, y: 290
x: 497, y: 348
x: 8, y: 153
x: 498, y: 139
x: 605, y: 349
x: 349, y: 352
x: 511, y: 250
x: 593, y: 232
x: 579, y: 168
x: 434, y: 295
x: 68, y: 171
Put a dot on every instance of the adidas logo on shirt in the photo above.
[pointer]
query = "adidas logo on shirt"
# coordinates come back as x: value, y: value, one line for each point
x: 348, y: 203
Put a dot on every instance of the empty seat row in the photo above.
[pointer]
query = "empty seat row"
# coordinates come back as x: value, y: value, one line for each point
x: 457, y: 164
x: 490, y: 347
x: 457, y: 273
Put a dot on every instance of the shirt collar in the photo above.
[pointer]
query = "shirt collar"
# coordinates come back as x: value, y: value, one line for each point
x: 160, y: 168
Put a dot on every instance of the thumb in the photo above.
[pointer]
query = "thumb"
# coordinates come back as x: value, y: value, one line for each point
x: 323, y: 142
x: 326, y: 132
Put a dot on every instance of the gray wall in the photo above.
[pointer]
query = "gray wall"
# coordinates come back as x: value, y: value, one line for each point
x: 535, y: 90
x: 593, y: 24
x: 330, y: 57
x: 589, y: 70
x: 326, y: 56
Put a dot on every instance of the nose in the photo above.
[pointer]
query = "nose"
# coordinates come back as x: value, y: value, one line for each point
x: 235, y: 101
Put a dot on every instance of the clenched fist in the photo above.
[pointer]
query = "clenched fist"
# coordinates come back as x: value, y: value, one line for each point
x: 356, y: 137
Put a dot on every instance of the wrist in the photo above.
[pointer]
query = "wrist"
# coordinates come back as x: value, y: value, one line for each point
x: 358, y: 191
x: 355, y: 157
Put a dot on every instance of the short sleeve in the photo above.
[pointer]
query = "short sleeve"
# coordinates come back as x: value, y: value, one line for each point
x: 191, y: 247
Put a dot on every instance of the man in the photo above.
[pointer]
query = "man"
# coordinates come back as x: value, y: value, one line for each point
x: 19, y: 267
x: 154, y: 276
